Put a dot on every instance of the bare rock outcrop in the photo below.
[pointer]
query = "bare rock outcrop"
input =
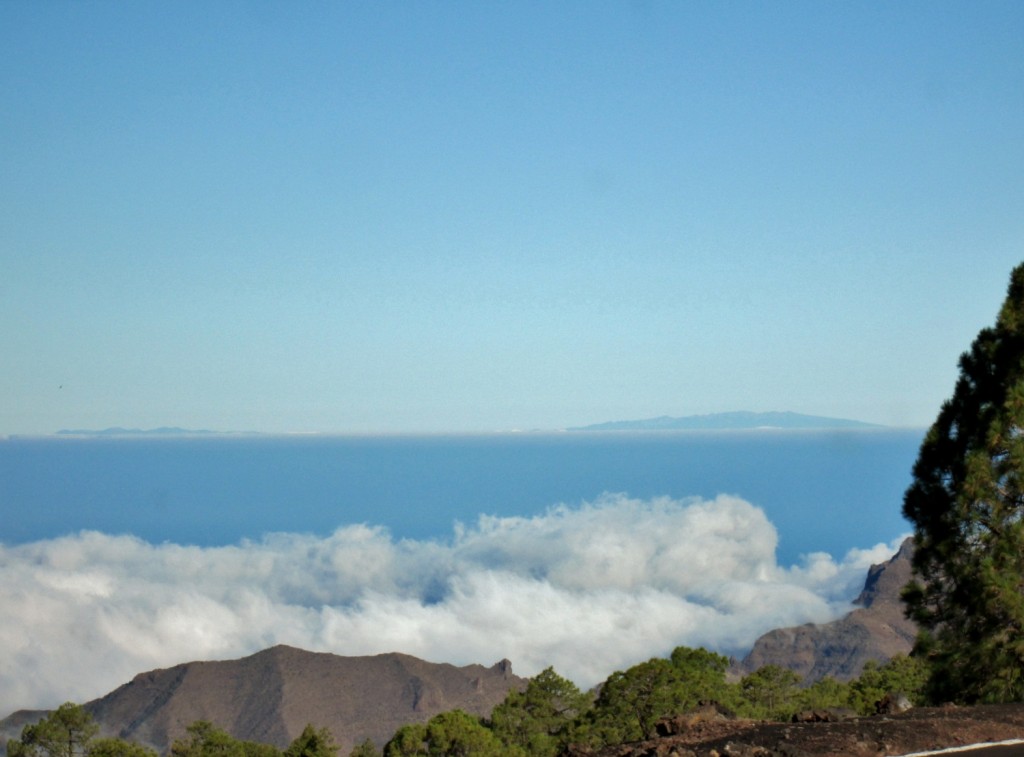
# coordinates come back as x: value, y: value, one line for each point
x: 876, y: 630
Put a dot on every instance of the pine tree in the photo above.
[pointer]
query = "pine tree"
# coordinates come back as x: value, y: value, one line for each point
x: 540, y: 718
x: 65, y: 732
x: 366, y: 749
x: 967, y: 506
x: 312, y: 742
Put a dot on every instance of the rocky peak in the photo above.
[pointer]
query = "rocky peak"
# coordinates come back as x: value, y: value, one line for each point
x: 886, y: 580
x: 503, y: 667
x: 876, y: 630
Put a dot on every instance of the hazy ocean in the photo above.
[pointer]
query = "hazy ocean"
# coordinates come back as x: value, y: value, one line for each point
x: 823, y: 490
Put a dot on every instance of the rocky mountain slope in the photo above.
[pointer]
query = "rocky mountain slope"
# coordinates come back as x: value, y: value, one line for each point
x: 876, y: 630
x: 270, y: 696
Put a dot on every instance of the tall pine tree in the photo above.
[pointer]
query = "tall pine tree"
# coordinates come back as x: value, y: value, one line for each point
x: 967, y: 506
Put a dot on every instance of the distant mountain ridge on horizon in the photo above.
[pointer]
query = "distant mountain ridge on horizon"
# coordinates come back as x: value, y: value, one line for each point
x: 735, y: 420
x: 738, y: 420
x: 161, y: 431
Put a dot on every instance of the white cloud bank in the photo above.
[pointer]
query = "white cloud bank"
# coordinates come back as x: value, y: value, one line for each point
x: 588, y: 590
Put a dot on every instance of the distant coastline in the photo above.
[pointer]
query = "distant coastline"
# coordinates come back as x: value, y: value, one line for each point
x: 739, y: 420
x: 162, y: 431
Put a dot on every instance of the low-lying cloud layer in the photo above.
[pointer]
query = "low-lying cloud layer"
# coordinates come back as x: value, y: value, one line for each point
x: 589, y: 590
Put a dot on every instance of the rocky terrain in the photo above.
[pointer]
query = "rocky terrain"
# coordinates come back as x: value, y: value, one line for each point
x: 918, y: 730
x: 270, y: 696
x: 876, y: 630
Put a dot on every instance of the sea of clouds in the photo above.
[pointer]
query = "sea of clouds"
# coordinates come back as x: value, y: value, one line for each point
x: 588, y: 589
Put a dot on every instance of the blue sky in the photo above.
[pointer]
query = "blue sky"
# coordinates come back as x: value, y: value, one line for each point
x: 441, y: 216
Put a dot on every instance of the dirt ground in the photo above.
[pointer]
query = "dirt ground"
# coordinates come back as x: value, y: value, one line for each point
x: 920, y: 729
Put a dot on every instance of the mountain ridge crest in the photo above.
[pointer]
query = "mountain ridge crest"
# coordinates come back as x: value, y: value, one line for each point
x: 735, y: 420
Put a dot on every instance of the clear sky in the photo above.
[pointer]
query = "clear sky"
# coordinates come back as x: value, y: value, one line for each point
x: 459, y: 216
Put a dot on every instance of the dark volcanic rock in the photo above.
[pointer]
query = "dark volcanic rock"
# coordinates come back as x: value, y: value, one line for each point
x: 876, y: 630
x: 270, y: 696
x: 706, y: 712
x: 920, y: 729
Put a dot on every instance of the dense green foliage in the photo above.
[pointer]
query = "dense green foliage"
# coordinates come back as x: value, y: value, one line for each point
x: 107, y: 747
x: 908, y: 675
x: 967, y: 506
x: 312, y: 742
x: 66, y: 732
x: 69, y: 731
x: 366, y: 749
x: 632, y: 701
x: 454, y: 734
x: 206, y: 740
x: 540, y: 721
x: 770, y: 692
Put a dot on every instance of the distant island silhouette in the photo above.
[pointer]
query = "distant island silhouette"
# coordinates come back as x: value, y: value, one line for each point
x: 118, y: 431
x: 727, y: 421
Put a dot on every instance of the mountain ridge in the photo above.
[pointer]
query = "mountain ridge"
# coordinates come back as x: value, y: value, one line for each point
x: 271, y: 695
x: 736, y: 420
x: 159, y: 432
x: 877, y: 629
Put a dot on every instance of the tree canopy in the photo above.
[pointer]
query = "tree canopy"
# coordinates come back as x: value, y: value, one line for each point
x: 312, y: 742
x: 540, y: 719
x: 771, y: 690
x: 632, y: 701
x: 966, y: 502
x: 450, y: 734
x: 205, y: 739
x: 65, y: 732
x: 109, y: 747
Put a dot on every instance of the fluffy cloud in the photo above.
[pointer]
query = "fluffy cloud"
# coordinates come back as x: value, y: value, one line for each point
x: 589, y: 590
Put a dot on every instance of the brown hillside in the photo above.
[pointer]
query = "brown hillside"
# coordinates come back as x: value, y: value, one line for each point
x: 876, y: 630
x: 270, y: 696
